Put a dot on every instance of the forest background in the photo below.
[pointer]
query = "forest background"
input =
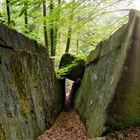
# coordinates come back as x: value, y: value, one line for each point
x: 74, y: 26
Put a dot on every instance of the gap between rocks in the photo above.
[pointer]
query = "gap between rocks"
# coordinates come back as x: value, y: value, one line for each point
x: 68, y: 125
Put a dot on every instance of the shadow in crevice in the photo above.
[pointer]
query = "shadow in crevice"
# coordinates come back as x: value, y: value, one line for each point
x: 71, y: 88
x: 71, y: 70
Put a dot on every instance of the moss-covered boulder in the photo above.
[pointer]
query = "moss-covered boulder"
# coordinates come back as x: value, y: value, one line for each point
x: 71, y: 67
x: 30, y: 96
x: 109, y: 96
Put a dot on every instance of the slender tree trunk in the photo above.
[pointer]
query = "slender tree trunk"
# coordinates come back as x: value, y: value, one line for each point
x: 78, y: 40
x: 55, y: 28
x: 57, y: 31
x: 69, y: 34
x: 68, y: 40
x: 52, y: 31
x: 8, y: 11
x: 26, y: 18
x: 77, y: 46
x: 45, y: 27
x: 52, y: 41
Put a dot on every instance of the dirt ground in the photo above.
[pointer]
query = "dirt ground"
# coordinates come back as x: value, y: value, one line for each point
x: 132, y: 133
x: 68, y: 126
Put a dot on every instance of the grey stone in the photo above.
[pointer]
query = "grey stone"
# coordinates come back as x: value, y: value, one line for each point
x: 30, y: 95
x: 98, y: 138
x: 111, y: 81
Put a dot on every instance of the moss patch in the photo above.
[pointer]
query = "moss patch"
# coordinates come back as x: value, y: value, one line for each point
x: 20, y: 78
x: 3, y: 131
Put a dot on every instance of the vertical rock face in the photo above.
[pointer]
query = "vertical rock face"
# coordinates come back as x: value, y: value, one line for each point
x: 29, y: 94
x: 124, y: 109
x: 109, y: 96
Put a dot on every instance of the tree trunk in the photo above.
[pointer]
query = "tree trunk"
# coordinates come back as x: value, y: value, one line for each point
x: 52, y: 31
x: 26, y: 18
x: 68, y: 40
x: 77, y: 46
x: 45, y: 28
x: 69, y: 34
x: 52, y: 41
x: 8, y: 11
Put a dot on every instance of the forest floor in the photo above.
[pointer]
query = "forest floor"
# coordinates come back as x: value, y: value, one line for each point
x: 67, y: 127
x: 132, y: 133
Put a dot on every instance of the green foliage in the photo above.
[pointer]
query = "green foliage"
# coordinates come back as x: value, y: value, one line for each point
x: 91, y: 21
x: 62, y: 72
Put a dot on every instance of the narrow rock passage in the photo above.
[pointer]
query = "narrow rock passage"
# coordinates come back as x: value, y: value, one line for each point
x: 67, y: 127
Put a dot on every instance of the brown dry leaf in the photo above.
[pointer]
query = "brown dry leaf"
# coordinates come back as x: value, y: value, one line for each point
x: 68, y: 126
x: 132, y: 133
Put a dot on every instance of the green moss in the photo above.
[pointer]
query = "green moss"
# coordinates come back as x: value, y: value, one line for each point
x: 21, y: 83
x: 2, y: 132
x: 116, y: 123
x: 128, y: 112
x: 62, y: 72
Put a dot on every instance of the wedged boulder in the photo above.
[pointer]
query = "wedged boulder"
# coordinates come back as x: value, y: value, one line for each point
x: 109, y: 96
x: 30, y: 95
x: 71, y: 67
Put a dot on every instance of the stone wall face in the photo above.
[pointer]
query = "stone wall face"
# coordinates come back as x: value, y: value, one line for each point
x: 106, y: 99
x: 30, y: 97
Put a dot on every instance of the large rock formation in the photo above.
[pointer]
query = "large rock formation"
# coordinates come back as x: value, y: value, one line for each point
x: 30, y: 97
x: 109, y: 96
x: 71, y: 67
